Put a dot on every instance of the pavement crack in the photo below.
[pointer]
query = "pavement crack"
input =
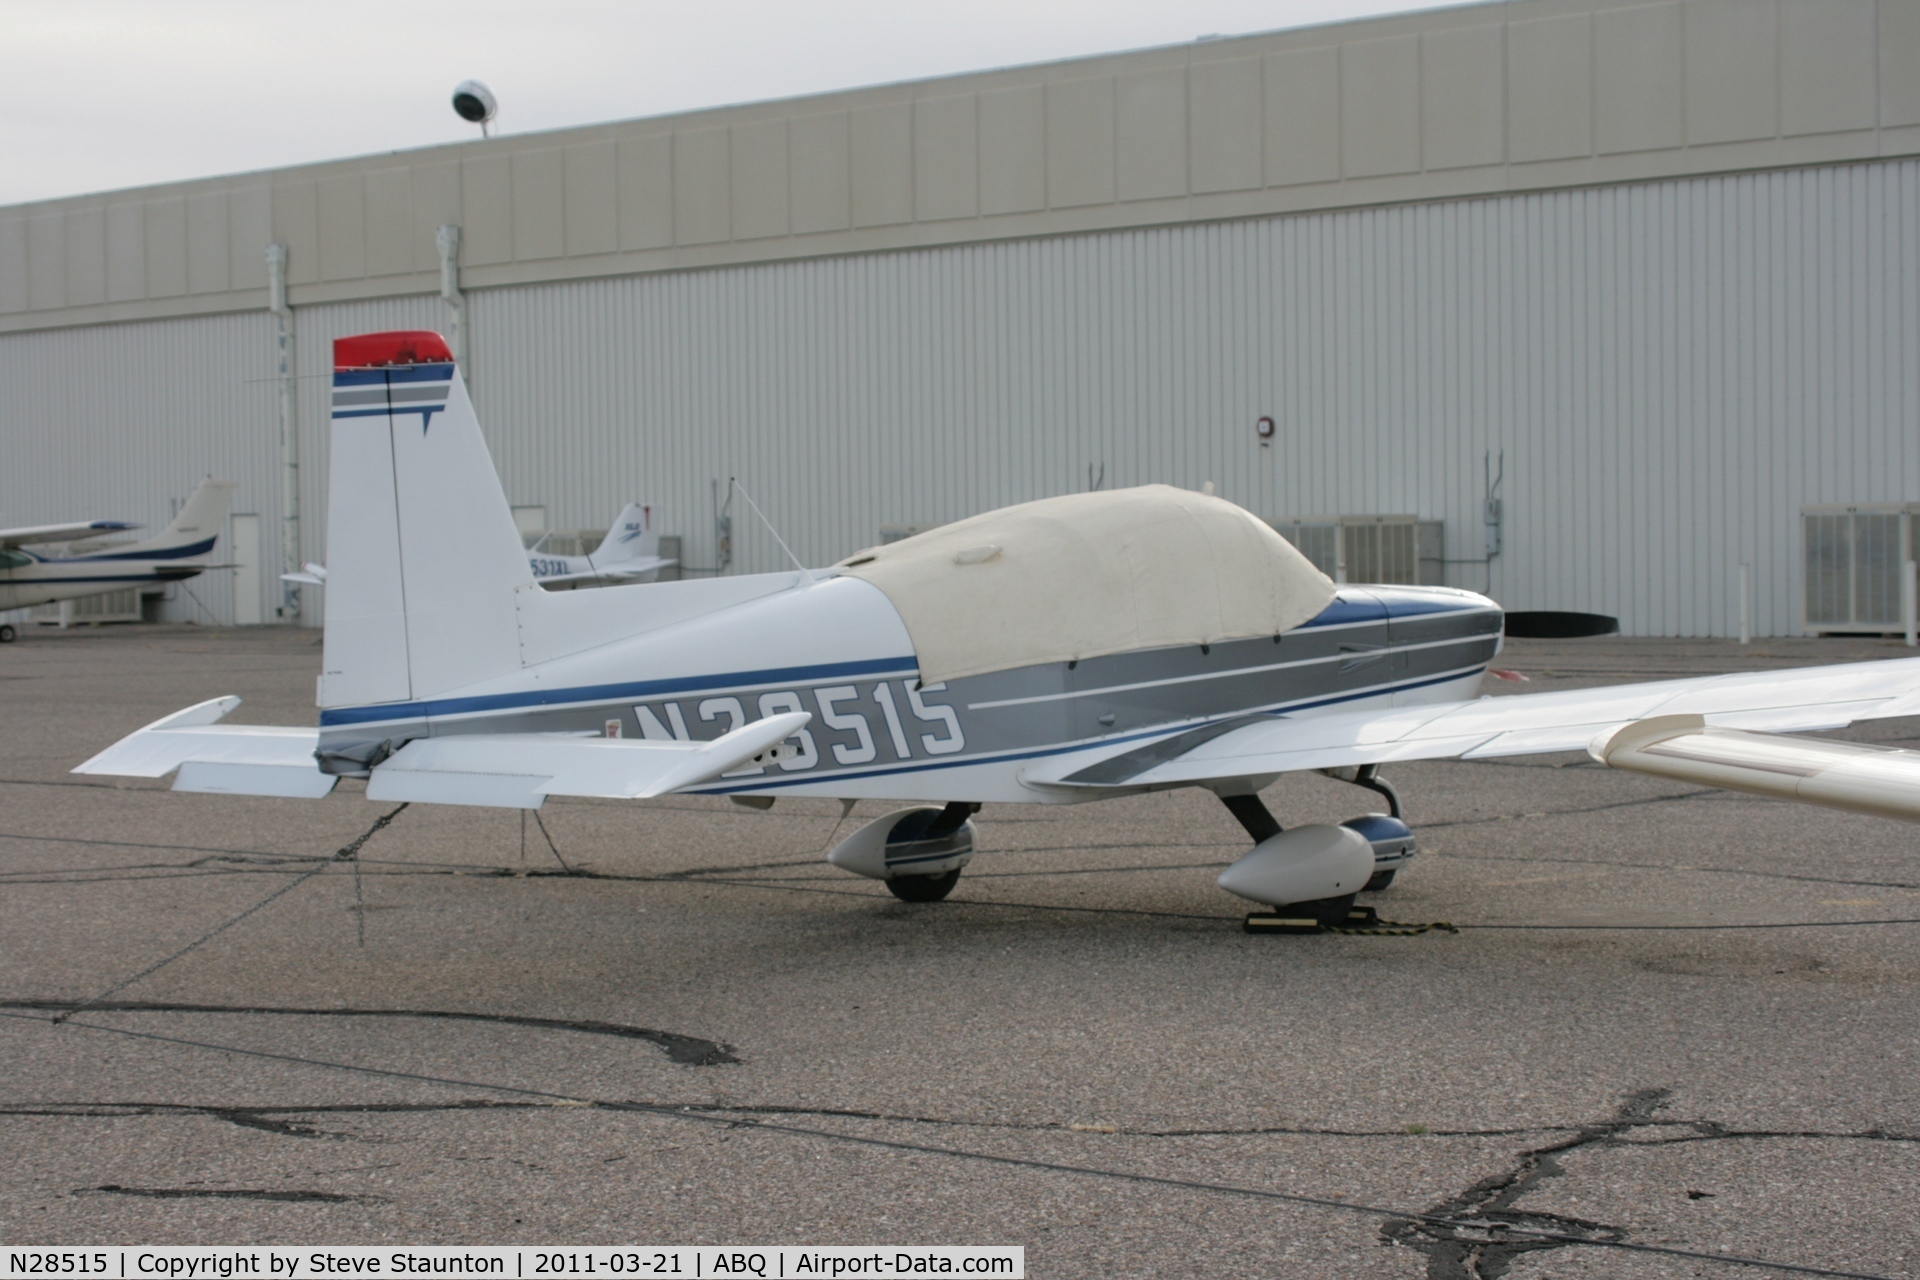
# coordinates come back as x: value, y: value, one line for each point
x: 296, y: 1120
x: 221, y: 1193
x: 686, y: 1050
x: 1467, y: 1236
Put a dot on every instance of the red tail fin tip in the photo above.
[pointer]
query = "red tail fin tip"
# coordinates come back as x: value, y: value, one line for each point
x: 381, y: 350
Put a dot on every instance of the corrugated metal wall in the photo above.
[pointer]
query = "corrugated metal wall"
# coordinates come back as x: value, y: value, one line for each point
x: 1670, y: 368
x: 122, y: 421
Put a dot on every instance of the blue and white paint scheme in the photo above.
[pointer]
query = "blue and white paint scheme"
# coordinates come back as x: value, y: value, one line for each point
x: 1056, y: 652
x: 183, y: 549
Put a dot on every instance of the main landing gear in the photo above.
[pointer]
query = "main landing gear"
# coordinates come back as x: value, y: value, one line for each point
x: 7, y: 633
x: 918, y: 853
x: 1314, y: 872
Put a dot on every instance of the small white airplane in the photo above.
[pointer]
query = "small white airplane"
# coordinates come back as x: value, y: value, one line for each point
x: 629, y: 553
x: 182, y: 550
x: 1071, y: 649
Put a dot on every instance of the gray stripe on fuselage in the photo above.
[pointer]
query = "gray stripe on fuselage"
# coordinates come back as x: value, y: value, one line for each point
x: 1033, y: 708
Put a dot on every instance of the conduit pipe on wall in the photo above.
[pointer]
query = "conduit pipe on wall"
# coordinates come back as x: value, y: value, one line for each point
x: 289, y: 610
x: 448, y: 238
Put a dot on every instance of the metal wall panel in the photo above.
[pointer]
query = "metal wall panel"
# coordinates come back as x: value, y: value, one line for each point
x: 1671, y: 370
x: 122, y: 421
x: 1443, y: 103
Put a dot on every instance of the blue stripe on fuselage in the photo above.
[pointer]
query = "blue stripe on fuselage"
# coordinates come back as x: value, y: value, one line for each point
x: 191, y: 549
x: 1388, y: 604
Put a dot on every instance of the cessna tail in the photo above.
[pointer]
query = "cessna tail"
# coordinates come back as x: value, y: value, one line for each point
x: 1071, y: 649
x: 181, y: 550
x: 629, y: 553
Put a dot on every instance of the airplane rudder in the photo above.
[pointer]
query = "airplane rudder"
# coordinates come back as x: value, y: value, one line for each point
x: 461, y: 558
x: 197, y: 525
x: 366, y: 643
x: 629, y: 537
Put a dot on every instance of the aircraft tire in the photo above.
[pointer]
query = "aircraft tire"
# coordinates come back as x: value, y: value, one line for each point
x: 1380, y: 880
x: 6, y: 633
x: 923, y: 888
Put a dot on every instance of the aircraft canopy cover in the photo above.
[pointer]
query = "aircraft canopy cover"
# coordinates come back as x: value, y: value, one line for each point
x: 1090, y: 574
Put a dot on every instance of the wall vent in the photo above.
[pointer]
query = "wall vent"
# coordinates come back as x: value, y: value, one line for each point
x: 1403, y: 549
x: 1854, y: 559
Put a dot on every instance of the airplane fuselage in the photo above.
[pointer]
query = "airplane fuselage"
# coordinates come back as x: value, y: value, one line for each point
x: 845, y: 657
x: 27, y: 579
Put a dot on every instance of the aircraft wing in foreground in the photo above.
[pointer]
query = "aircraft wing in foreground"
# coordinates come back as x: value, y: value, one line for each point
x: 1060, y: 651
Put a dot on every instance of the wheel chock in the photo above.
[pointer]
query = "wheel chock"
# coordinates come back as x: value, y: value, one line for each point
x: 1272, y: 922
x: 1360, y: 920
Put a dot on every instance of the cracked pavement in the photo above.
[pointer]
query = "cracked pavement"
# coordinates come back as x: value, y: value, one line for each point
x: 1675, y: 1019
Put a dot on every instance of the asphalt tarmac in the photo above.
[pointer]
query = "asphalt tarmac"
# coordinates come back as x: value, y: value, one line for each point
x: 1676, y: 1019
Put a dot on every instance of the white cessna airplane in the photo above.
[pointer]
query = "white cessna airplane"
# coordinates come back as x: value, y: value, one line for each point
x: 1060, y: 651
x: 181, y: 550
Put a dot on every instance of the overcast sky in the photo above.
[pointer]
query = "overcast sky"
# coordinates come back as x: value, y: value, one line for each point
x: 101, y: 94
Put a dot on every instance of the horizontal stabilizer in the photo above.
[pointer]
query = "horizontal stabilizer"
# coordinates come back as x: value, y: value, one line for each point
x: 519, y: 771
x: 297, y: 781
x: 1861, y: 777
x: 240, y: 759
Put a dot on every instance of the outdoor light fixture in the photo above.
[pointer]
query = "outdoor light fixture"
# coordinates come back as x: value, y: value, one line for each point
x: 475, y: 103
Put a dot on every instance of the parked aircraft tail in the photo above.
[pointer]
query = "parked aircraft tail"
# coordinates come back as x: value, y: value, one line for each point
x: 630, y: 537
x: 193, y: 532
x: 424, y: 562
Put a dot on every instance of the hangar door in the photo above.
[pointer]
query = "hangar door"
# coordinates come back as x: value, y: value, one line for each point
x: 245, y: 545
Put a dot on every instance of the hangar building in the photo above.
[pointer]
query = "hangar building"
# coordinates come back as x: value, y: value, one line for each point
x: 1655, y: 265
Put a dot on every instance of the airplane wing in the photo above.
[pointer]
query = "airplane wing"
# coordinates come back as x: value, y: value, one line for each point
x: 514, y: 771
x: 1861, y: 776
x: 62, y: 532
x: 1808, y: 698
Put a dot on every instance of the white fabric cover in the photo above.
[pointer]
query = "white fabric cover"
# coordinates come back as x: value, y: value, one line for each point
x: 1090, y: 574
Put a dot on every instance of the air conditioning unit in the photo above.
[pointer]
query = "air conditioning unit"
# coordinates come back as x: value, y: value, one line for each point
x: 1855, y: 558
x: 108, y: 606
x: 1370, y: 548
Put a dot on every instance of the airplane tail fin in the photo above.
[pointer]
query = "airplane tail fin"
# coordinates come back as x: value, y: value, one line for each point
x: 424, y: 562
x: 193, y: 532
x: 630, y: 537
